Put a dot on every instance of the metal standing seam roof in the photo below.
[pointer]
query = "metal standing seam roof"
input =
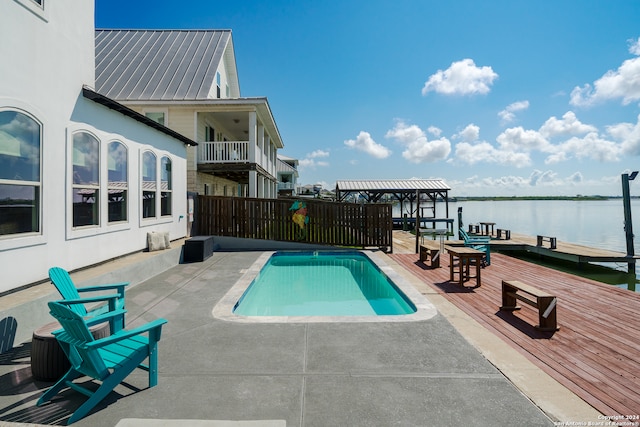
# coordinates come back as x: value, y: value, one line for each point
x: 158, y: 64
x: 393, y: 185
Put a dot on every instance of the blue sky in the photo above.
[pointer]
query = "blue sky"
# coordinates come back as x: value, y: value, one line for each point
x: 496, y: 98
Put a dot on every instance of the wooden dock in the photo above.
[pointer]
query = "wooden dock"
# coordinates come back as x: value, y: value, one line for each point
x: 594, y: 354
x: 565, y: 251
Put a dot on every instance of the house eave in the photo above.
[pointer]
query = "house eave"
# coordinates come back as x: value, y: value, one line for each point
x: 116, y: 106
x: 258, y: 104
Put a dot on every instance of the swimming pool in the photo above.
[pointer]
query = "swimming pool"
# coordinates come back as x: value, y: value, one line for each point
x: 322, y: 286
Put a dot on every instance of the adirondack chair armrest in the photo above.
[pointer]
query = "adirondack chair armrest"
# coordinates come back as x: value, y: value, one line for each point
x: 124, y: 334
x: 105, y: 317
x: 119, y: 286
x: 478, y: 240
x: 89, y: 299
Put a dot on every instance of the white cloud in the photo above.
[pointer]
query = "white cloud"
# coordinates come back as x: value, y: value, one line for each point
x: 629, y: 136
x: 434, y: 131
x: 623, y: 83
x: 365, y: 143
x: 461, y: 78
x: 418, y: 148
x: 634, y: 46
x: 568, y: 125
x: 575, y: 178
x: 508, y: 114
x: 318, y: 153
x: 517, y: 139
x: 310, y: 162
x: 484, y: 152
x: 539, y: 177
x: 591, y: 146
x: 469, y: 134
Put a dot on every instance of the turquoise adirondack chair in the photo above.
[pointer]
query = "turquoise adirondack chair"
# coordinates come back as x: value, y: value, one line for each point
x: 109, y: 360
x: 62, y: 281
x: 479, y: 243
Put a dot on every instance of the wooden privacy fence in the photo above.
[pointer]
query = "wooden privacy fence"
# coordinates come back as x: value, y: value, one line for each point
x: 296, y: 220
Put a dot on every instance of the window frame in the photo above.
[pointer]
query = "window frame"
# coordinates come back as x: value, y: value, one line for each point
x: 168, y: 192
x: 125, y: 187
x: 163, y: 111
x: 38, y: 8
x: 97, y: 187
x: 143, y: 151
x: 38, y: 185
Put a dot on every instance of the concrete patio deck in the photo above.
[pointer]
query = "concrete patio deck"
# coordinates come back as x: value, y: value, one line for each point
x: 422, y: 373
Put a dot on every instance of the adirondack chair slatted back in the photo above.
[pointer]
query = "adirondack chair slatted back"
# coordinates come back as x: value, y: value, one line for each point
x: 73, y: 339
x: 62, y: 281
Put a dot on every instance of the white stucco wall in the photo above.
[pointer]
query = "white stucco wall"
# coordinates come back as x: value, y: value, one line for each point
x: 52, y: 57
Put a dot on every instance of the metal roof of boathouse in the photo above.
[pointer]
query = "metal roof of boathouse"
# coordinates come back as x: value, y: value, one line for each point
x: 401, y: 189
x: 393, y: 185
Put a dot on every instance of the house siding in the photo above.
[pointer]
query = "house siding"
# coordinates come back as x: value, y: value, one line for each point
x: 52, y: 58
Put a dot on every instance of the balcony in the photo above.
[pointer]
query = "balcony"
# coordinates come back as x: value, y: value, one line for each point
x: 286, y: 186
x: 223, y: 152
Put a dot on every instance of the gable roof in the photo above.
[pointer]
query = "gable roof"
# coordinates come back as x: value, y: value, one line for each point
x: 162, y: 65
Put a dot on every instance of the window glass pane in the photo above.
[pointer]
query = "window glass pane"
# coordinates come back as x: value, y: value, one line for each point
x: 148, y: 171
x: 19, y: 147
x: 19, y: 209
x: 86, y: 159
x: 156, y: 117
x: 148, y: 204
x: 85, y: 207
x: 148, y: 184
x: 165, y: 203
x: 117, y: 163
x: 165, y: 177
x: 117, y: 205
x: 118, y: 183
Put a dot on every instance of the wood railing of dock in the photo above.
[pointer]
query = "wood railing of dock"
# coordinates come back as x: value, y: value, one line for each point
x: 297, y: 220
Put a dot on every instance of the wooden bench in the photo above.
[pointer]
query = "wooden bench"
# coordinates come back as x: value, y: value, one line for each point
x: 552, y: 241
x: 430, y: 249
x: 513, y: 290
x: 501, y: 231
x: 474, y: 228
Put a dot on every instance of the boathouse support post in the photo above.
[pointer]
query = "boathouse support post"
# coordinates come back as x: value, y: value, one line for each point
x: 628, y: 226
x: 417, y: 227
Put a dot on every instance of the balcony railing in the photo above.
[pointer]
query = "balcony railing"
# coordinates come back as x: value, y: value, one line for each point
x: 286, y: 186
x: 223, y: 152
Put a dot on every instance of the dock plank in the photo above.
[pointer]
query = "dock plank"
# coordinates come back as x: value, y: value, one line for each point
x: 594, y: 354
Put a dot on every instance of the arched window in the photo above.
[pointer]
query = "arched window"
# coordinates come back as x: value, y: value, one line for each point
x: 20, y: 178
x: 86, y: 179
x: 149, y: 186
x: 118, y: 184
x: 165, y: 183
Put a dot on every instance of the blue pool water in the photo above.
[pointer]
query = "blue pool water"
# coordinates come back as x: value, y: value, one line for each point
x: 322, y: 284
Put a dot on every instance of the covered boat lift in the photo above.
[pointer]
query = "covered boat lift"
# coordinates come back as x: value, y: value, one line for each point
x: 414, y: 191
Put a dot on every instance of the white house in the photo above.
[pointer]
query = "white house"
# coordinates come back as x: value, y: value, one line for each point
x: 287, y: 175
x: 83, y: 179
x: 187, y: 80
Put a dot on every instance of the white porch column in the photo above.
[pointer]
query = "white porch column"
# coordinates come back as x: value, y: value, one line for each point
x: 253, y: 184
x: 261, y: 145
x: 253, y: 141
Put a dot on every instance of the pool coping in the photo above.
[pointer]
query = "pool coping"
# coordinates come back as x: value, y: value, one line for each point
x: 425, y: 310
